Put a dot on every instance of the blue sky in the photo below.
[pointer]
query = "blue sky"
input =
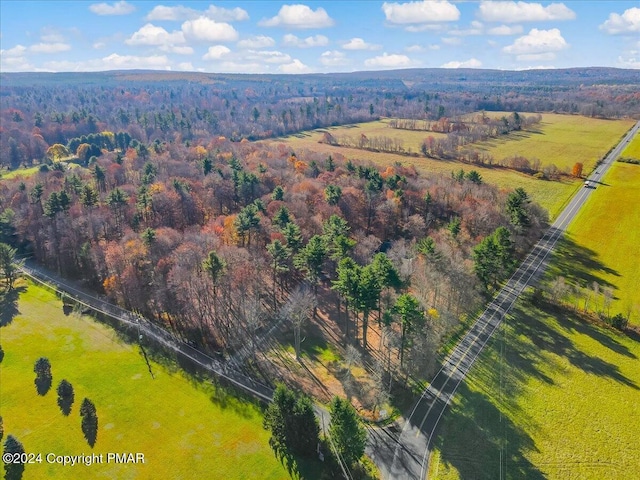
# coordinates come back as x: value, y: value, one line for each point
x: 329, y: 36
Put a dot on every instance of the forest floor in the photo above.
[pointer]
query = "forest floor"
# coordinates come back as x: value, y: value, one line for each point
x: 554, y: 393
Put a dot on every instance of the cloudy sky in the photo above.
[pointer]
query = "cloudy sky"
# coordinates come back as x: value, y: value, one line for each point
x: 328, y: 36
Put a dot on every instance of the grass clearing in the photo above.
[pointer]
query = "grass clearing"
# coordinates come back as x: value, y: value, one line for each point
x: 550, y: 195
x: 186, y: 429
x: 412, y: 139
x: 21, y: 172
x: 605, y: 240
x: 554, y: 396
x: 561, y: 140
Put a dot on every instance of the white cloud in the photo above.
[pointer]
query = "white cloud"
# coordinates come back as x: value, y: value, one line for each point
x: 216, y: 52
x: 632, y: 62
x: 290, y: 40
x: 453, y: 41
x: 536, y: 57
x: 180, y: 12
x: 431, y: 27
x: 149, y: 34
x: 259, y: 41
x: 474, y: 29
x: 117, y: 8
x: 421, y: 48
x: 628, y: 22
x: 49, y: 47
x: 471, y: 63
x: 130, y: 61
x: 16, y: 51
x: 269, y: 56
x: 388, y: 61
x: 236, y: 67
x: 208, y: 30
x: 178, y: 49
x: 299, y: 16
x: 294, y: 67
x: 14, y: 64
x: 186, y: 67
x: 111, y: 62
x: 360, y: 44
x: 537, y: 41
x: 427, y: 11
x: 333, y: 58
x: 516, y: 12
x: 505, y: 30
x: 50, y: 35
x: 226, y: 14
x: 99, y: 45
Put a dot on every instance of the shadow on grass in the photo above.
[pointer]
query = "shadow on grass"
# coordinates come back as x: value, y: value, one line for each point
x: 482, y: 435
x: 483, y: 444
x: 579, y: 265
x: 9, y: 305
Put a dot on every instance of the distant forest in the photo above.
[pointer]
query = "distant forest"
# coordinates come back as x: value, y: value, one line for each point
x: 40, y: 110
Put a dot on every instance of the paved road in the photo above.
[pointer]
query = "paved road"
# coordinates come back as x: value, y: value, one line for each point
x: 403, y: 452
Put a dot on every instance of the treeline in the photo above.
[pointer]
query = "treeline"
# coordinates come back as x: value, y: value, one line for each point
x: 212, y: 240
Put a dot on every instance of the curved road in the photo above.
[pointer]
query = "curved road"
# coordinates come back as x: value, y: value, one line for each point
x: 404, y: 453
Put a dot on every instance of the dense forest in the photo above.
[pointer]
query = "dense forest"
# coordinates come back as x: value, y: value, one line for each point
x: 172, y: 211
x: 213, y: 239
x: 39, y: 110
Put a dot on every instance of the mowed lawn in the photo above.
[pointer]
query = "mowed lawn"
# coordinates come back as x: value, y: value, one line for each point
x: 554, y: 396
x: 185, y: 429
x: 561, y: 140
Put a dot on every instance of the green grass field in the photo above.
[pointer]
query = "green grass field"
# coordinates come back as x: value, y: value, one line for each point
x: 412, y: 139
x: 21, y: 172
x: 633, y: 149
x: 185, y: 429
x: 554, y: 396
x: 605, y: 240
x: 550, y: 195
x: 562, y: 140
x: 559, y: 139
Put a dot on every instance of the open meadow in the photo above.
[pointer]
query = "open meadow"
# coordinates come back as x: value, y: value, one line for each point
x: 553, y: 395
x: 633, y: 149
x: 560, y: 139
x: 185, y: 428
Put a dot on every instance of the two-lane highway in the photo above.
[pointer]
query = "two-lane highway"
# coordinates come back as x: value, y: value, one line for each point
x: 411, y: 446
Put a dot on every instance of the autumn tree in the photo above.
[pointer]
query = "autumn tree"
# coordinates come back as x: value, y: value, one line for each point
x: 576, y: 171
x: 57, y: 151
x: 298, y: 310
